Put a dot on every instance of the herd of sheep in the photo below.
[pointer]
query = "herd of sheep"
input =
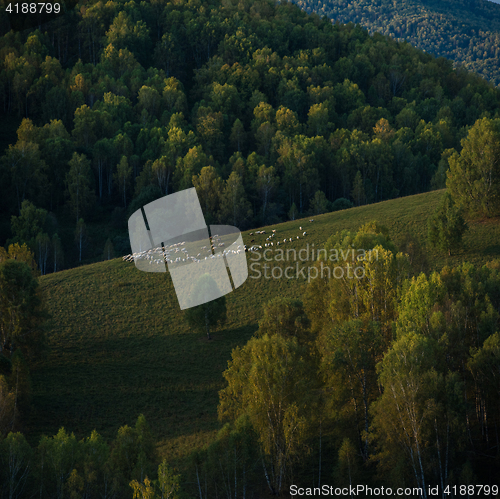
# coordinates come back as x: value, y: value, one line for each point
x: 177, y: 253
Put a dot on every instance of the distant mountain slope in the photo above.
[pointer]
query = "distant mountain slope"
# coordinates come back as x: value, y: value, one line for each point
x: 468, y: 32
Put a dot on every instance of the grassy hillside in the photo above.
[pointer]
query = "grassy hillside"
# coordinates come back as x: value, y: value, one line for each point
x: 118, y: 346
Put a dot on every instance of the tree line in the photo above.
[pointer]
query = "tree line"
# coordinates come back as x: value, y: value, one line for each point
x: 63, y: 467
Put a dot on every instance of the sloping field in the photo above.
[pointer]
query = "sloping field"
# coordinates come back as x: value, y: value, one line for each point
x: 118, y: 345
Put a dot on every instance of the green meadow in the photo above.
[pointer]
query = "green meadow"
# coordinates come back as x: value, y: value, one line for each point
x: 117, y: 344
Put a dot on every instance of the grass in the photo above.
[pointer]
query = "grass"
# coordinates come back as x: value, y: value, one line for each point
x: 118, y: 345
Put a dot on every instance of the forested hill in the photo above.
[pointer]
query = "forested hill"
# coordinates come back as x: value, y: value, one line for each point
x: 270, y: 112
x: 466, y: 31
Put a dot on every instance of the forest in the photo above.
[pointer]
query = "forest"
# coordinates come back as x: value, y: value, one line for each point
x: 272, y: 114
x: 467, y: 32
x: 269, y: 112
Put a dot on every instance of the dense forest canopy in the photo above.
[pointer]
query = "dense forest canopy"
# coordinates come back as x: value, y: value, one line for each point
x: 269, y: 112
x: 467, y: 32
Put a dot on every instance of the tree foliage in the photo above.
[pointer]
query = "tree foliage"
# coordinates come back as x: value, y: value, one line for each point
x: 474, y: 175
x: 447, y: 226
x: 22, y: 311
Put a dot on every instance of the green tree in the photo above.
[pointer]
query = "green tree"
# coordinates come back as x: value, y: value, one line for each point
x: 103, y: 153
x: 43, y: 247
x: 74, y: 485
x: 417, y: 421
x: 347, y: 471
x: 319, y: 204
x: 122, y: 177
x: 57, y: 253
x: 29, y: 223
x: 474, y: 175
x: 188, y: 166
x: 234, y: 206
x: 21, y: 253
x: 209, y: 187
x: 286, y: 317
x: 149, y: 100
x: 358, y: 190
x: 484, y: 365
x: 447, y: 226
x: 225, y: 98
x: 58, y: 455
x: 162, y: 168
x: 296, y: 157
x: 317, y: 119
x: 26, y: 168
x: 410, y: 244
x: 208, y: 315
x: 8, y: 410
x: 231, y: 459
x: 20, y: 382
x: 133, y: 455
x: 22, y: 312
x: 173, y: 94
x: 143, y: 490
x: 349, y: 353
x: 169, y: 483
x: 238, y: 135
x: 96, y: 474
x: 269, y: 380
x: 264, y: 137
x: 18, y: 462
x: 124, y: 33
x: 209, y: 126
x: 337, y: 295
x: 85, y: 129
x: 267, y: 181
x: 287, y: 122
x: 109, y: 251
x: 80, y: 237
x: 56, y: 151
x: 78, y: 181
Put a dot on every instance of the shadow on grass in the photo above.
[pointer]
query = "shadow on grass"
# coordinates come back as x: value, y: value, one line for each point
x: 173, y: 379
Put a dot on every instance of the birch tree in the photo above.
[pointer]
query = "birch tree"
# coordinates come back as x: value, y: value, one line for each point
x: 17, y: 458
x: 78, y: 181
x: 269, y: 380
x: 122, y: 178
